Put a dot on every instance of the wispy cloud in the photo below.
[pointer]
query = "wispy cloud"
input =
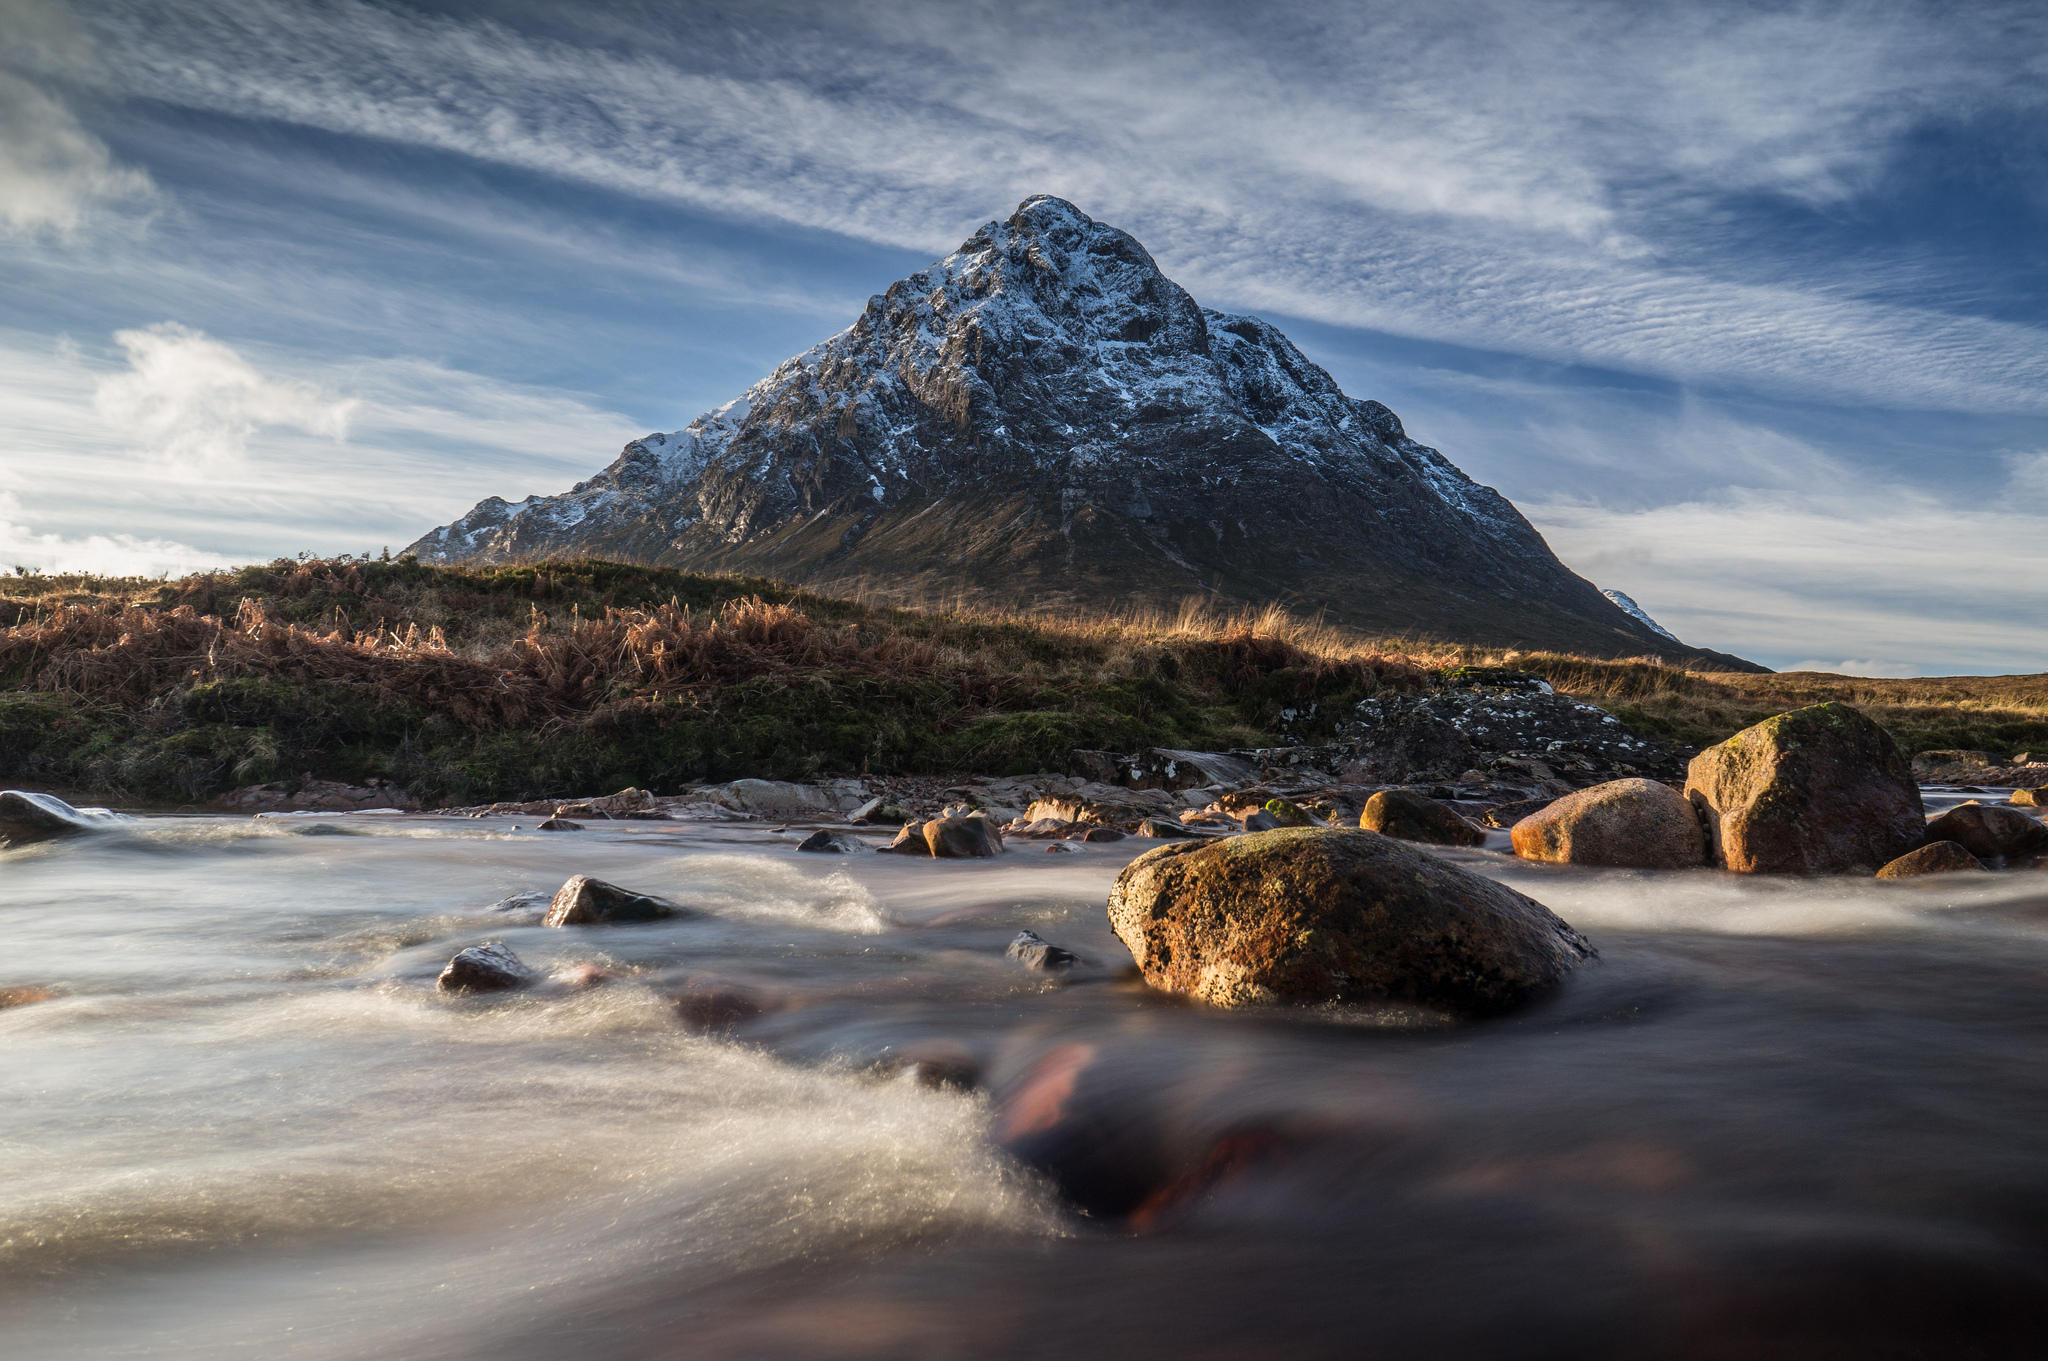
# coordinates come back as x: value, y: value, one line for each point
x: 1497, y: 175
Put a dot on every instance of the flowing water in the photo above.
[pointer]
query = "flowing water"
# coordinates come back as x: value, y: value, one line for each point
x: 1775, y: 1119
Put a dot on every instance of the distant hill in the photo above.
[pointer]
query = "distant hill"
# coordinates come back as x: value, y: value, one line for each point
x: 1044, y: 420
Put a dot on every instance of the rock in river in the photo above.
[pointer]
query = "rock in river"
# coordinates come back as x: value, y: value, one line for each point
x: 1936, y: 857
x: 832, y: 843
x: 1988, y: 831
x: 1819, y: 790
x: 585, y: 901
x: 1417, y: 817
x: 1629, y: 824
x: 484, y: 968
x: 1034, y: 952
x: 962, y: 838
x: 26, y: 817
x: 1312, y: 915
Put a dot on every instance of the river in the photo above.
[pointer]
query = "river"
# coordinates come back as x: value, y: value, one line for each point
x: 1776, y: 1118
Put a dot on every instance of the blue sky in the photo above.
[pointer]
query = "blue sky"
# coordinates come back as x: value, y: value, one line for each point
x: 1743, y: 305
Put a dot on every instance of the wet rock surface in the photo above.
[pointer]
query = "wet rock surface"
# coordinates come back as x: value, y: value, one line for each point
x: 1626, y: 824
x: 832, y: 843
x: 1936, y: 857
x: 1314, y: 915
x: 1417, y: 817
x: 958, y: 838
x: 584, y: 901
x: 1033, y: 952
x: 1820, y: 790
x: 27, y: 817
x: 484, y: 968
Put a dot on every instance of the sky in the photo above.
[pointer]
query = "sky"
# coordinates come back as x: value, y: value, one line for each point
x: 1744, y: 305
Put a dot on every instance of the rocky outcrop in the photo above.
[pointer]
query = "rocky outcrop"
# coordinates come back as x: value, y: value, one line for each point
x: 1819, y: 790
x: 1313, y: 915
x: 1045, y: 415
x: 1936, y: 857
x: 1482, y: 715
x: 1163, y: 768
x: 1989, y: 832
x: 484, y: 968
x: 1416, y: 817
x: 1625, y: 824
x: 584, y: 901
x: 308, y: 795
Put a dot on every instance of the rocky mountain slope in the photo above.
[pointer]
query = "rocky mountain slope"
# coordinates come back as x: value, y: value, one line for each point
x: 1044, y: 419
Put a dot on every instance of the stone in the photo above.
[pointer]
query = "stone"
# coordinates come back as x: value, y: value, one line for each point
x: 484, y: 968
x: 26, y: 817
x: 1043, y: 829
x: 584, y: 901
x: 963, y: 838
x: 1936, y: 857
x: 1261, y: 821
x: 1819, y: 790
x: 309, y: 795
x: 560, y: 825
x: 1102, y: 834
x: 1325, y: 914
x: 1162, y: 768
x: 1398, y: 743
x: 1947, y: 764
x: 910, y: 840
x: 2031, y: 798
x: 1063, y: 846
x: 1161, y: 827
x: 1416, y: 817
x: 1625, y: 824
x: 1989, y: 831
x: 1506, y: 815
x: 1288, y: 813
x: 938, y: 1064
x: 715, y: 1002
x: 1034, y: 952
x: 865, y: 811
x: 832, y: 843
x: 25, y: 994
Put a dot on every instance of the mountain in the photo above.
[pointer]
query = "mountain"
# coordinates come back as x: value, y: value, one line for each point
x: 1044, y: 419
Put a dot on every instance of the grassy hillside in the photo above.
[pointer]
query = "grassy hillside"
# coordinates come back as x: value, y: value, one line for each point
x: 469, y: 684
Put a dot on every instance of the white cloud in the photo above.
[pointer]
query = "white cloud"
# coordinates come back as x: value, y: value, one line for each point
x: 119, y: 555
x: 1852, y: 667
x: 1486, y: 173
x: 53, y: 173
x: 193, y: 404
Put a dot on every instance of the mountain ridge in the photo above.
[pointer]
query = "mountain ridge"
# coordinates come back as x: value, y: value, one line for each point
x: 1044, y: 417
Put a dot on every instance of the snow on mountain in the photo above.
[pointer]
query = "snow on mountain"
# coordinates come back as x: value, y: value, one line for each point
x: 1637, y: 613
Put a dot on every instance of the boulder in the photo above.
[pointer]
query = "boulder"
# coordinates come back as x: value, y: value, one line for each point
x: 560, y: 825
x: 26, y: 817
x: 484, y: 968
x: 1320, y: 914
x: 832, y: 843
x: 956, y: 838
x: 1162, y: 768
x: 1063, y: 846
x: 1505, y: 815
x: 1033, y: 952
x: 585, y: 901
x: 1289, y: 813
x: 1819, y: 790
x: 1628, y: 824
x: 910, y: 840
x: 1102, y: 834
x: 2031, y: 798
x: 1416, y: 817
x: 1164, y: 828
x: 1989, y: 831
x: 1044, y: 829
x: 1261, y: 821
x: 1936, y: 857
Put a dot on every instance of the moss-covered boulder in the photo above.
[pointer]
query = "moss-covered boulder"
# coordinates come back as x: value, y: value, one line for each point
x: 1411, y: 816
x: 1628, y: 824
x: 1315, y: 915
x: 1819, y: 790
x: 1288, y: 813
x: 1936, y: 857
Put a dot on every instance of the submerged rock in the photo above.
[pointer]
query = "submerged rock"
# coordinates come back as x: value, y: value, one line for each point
x: 1034, y: 952
x: 1417, y: 817
x: 1628, y: 824
x: 484, y: 968
x: 957, y: 838
x: 560, y: 825
x: 1313, y: 915
x: 1819, y: 790
x: 26, y: 817
x: 585, y: 901
x: 832, y: 843
x: 1936, y: 857
x: 1988, y: 831
x: 24, y: 994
